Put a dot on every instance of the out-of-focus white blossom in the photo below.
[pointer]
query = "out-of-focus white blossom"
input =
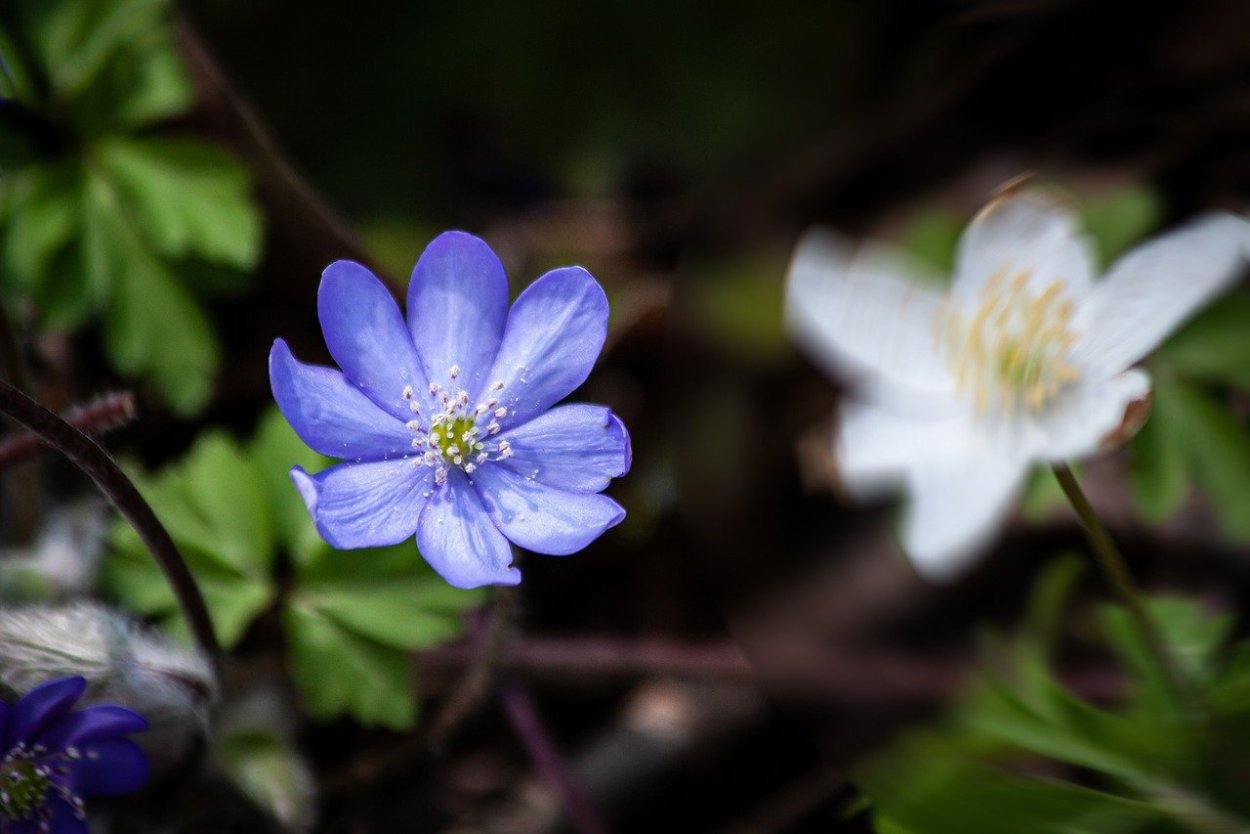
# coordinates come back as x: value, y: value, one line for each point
x: 1024, y: 358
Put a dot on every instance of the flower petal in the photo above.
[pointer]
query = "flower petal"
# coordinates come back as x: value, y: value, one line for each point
x: 877, y: 447
x: 1155, y: 287
x: 91, y: 724
x: 367, y: 336
x: 865, y: 310
x: 330, y: 414
x: 954, y: 509
x: 541, y: 518
x: 57, y: 817
x: 109, y: 768
x: 457, y: 308
x: 1030, y: 231
x: 458, y: 539
x: 369, y: 504
x: 1080, y: 423
x: 46, y: 703
x: 573, y: 447
x: 554, y: 334
x: 307, y: 487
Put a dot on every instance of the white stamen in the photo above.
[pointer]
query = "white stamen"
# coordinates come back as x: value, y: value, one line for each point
x: 455, y: 371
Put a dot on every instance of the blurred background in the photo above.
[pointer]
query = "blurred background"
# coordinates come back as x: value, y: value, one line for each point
x: 725, y: 658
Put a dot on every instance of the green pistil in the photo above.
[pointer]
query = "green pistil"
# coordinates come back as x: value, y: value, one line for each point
x: 22, y: 790
x: 451, y: 442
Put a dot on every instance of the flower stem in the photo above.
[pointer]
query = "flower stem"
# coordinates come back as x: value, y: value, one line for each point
x: 108, y: 476
x: 1116, y: 572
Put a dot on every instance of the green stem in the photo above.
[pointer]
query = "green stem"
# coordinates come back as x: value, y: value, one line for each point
x: 1117, y: 574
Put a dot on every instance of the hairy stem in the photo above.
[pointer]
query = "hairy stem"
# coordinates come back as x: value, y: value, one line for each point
x: 101, y: 415
x: 93, y: 460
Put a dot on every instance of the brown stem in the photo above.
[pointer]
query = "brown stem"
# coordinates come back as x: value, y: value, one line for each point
x: 523, y: 715
x: 97, y: 417
x: 93, y: 460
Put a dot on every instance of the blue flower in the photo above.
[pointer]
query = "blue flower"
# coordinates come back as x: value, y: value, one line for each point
x: 445, y: 421
x: 53, y: 757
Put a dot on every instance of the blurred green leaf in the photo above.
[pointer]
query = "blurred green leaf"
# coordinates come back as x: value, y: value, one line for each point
x: 44, y: 216
x: 1121, y: 219
x: 933, y: 237
x: 271, y: 771
x: 1159, y: 474
x: 188, y: 197
x: 339, y: 672
x: 153, y: 326
x: 276, y: 449
x: 1215, y: 345
x: 1216, y: 447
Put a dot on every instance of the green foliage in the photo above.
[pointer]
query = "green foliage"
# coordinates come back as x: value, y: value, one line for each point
x: 99, y: 221
x: 352, y: 619
x: 1023, y: 750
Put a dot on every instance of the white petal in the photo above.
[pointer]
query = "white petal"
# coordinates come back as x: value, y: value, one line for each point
x: 1023, y: 229
x: 1155, y: 287
x: 865, y: 311
x: 876, y: 447
x: 954, y: 510
x: 1077, y: 425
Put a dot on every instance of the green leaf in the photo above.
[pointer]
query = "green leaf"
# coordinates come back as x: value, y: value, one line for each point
x: 389, y: 595
x: 275, y: 449
x: 1191, y: 633
x: 270, y: 771
x: 44, y: 218
x: 76, y: 38
x: 1217, y: 448
x: 188, y: 196
x: 131, y: 576
x: 933, y: 237
x: 338, y: 672
x: 1159, y: 476
x: 1121, y: 219
x: 152, y: 325
x: 1215, y: 345
x: 150, y: 85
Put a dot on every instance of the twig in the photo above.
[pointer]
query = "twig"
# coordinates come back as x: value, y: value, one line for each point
x: 858, y: 678
x: 523, y: 716
x: 104, y: 414
x: 484, y: 653
x: 94, y: 461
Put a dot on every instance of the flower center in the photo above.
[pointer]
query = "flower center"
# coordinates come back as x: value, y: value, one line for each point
x: 23, y: 788
x: 1014, y: 350
x: 451, y: 434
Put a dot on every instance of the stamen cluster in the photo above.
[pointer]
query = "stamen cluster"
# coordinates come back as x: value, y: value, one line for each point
x: 452, y: 436
x: 1013, y: 351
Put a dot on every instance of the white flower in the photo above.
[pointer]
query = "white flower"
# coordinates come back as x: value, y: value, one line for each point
x: 1024, y: 359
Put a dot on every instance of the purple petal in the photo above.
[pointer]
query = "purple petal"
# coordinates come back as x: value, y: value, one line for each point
x: 555, y: 331
x: 5, y: 713
x: 369, y: 504
x: 330, y: 414
x: 307, y: 487
x: 367, y: 337
x: 92, y: 724
x: 62, y: 819
x: 457, y: 307
x: 458, y: 539
x: 109, y: 768
x: 541, y: 518
x: 46, y: 703
x: 573, y: 447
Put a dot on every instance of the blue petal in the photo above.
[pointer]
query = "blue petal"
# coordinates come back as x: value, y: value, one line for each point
x: 5, y: 712
x: 573, y: 447
x: 92, y: 724
x: 367, y: 337
x: 458, y: 539
x: 457, y: 307
x: 330, y: 414
x: 371, y: 504
x: 541, y: 518
x: 108, y: 768
x: 42, y: 706
x: 62, y: 819
x: 307, y: 487
x: 555, y: 331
